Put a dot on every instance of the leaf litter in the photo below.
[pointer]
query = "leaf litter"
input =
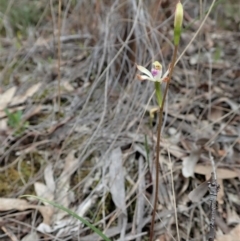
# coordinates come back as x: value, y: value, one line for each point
x: 117, y: 188
x: 102, y: 118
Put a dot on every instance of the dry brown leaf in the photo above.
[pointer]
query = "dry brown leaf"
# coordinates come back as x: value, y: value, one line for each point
x: 29, y: 93
x: 43, y: 191
x: 234, y: 235
x: 189, y: 163
x: 68, y: 86
x: 222, y: 173
x: 7, y: 204
x: 202, y: 141
x: 215, y: 114
x: 46, y: 211
x: 6, y: 97
x: 163, y: 237
x: 33, y: 236
x: 196, y: 194
x: 221, y: 152
x: 32, y: 90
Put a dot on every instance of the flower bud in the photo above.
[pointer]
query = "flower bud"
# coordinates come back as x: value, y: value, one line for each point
x: 178, y: 23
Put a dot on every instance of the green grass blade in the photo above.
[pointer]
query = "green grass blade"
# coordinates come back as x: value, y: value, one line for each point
x: 96, y: 230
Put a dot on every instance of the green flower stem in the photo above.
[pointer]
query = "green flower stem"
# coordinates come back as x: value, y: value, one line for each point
x: 158, y: 92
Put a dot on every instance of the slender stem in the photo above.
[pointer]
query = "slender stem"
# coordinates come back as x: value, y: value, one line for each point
x: 158, y: 143
x: 59, y: 52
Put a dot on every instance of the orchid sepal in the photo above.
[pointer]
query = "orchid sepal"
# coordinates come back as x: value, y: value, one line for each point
x: 147, y: 75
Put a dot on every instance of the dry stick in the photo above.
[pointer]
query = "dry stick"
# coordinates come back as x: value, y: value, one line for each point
x: 213, y: 188
x: 59, y: 50
x: 158, y: 142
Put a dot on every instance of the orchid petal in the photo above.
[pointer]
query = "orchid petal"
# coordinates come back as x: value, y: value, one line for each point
x: 145, y: 77
x: 145, y: 71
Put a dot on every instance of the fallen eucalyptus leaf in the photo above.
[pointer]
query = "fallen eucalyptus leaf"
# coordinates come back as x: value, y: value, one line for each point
x: 189, y: 163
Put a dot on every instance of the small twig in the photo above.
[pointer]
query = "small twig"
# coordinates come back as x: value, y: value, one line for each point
x: 213, y: 188
x: 9, y: 233
x: 213, y: 166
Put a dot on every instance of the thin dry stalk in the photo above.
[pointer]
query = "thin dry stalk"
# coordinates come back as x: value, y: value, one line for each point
x: 59, y: 51
x: 174, y: 197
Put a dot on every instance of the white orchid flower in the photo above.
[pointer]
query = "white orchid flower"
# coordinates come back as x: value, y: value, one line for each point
x: 155, y: 75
